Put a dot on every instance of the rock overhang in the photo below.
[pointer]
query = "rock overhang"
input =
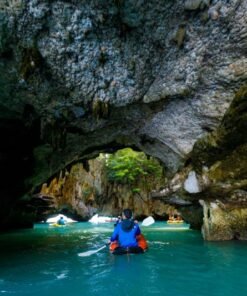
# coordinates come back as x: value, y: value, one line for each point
x: 97, y: 73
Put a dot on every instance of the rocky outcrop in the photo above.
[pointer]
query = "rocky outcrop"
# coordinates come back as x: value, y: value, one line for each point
x: 217, y: 175
x: 82, y: 77
x: 76, y: 190
x: 85, y: 190
x: 224, y: 222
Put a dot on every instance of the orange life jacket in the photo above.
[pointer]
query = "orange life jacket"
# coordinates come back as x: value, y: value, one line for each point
x: 142, y: 243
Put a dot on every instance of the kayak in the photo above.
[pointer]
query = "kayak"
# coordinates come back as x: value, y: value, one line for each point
x: 175, y: 221
x: 96, y: 219
x: 56, y: 218
x: 115, y: 249
x: 56, y: 225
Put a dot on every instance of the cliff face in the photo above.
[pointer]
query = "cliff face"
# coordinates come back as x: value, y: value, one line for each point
x: 79, y: 77
x: 85, y: 190
x: 224, y: 155
x: 217, y: 175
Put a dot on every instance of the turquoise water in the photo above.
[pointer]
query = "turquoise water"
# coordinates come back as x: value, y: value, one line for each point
x: 44, y: 261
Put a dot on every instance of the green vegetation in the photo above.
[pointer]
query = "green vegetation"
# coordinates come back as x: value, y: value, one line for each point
x: 130, y: 167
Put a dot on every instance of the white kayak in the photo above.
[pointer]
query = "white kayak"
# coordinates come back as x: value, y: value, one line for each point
x: 148, y: 221
x: 102, y: 219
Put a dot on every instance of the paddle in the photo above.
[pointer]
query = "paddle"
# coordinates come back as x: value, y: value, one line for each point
x: 89, y: 253
x: 148, y: 221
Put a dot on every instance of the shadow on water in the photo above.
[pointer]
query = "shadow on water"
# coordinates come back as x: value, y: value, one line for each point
x: 45, y: 261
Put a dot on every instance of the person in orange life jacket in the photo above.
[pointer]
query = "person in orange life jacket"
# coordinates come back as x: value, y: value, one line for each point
x: 125, y: 231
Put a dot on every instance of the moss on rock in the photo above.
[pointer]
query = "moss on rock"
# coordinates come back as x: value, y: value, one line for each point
x: 224, y: 222
x: 234, y: 124
x: 100, y: 109
x: 231, y: 134
x: 31, y: 60
x: 233, y: 167
x: 180, y: 35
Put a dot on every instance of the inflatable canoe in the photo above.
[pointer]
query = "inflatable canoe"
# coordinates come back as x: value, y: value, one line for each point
x: 115, y: 249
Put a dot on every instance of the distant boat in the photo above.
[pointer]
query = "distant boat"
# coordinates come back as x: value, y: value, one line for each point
x: 175, y: 221
x: 56, y: 218
x: 102, y: 219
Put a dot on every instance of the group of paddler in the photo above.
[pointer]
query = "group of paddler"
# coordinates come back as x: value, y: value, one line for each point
x: 175, y: 218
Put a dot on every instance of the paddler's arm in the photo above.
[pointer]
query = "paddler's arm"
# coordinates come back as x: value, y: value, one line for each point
x: 138, y: 230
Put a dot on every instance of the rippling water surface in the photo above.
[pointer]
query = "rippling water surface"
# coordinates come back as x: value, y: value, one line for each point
x: 44, y: 261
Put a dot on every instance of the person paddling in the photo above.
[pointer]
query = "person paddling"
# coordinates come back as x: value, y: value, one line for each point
x: 61, y: 221
x: 125, y: 235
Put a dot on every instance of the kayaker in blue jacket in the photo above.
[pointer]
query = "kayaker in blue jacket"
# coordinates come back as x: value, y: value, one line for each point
x: 126, y: 231
x: 61, y: 221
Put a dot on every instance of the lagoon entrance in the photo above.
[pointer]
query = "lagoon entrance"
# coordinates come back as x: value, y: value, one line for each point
x: 44, y: 261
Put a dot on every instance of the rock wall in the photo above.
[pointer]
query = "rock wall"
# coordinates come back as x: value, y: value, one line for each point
x: 79, y: 63
x: 224, y: 222
x: 82, y: 192
x: 74, y: 191
x: 217, y: 175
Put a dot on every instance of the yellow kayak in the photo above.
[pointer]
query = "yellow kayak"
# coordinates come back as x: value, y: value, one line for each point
x: 175, y: 221
x: 56, y: 225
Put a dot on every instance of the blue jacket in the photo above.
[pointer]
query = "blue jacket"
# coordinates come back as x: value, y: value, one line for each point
x: 61, y: 221
x: 125, y: 233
